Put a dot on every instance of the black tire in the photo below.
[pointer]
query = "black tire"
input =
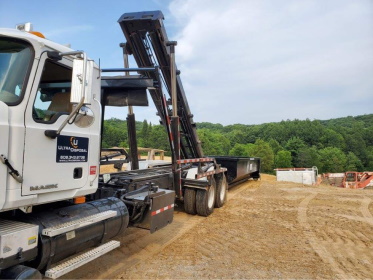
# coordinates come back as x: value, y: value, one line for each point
x: 190, y: 201
x: 205, y: 200
x: 221, y: 190
x: 21, y: 272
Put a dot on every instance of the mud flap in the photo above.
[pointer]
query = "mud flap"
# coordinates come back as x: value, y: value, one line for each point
x: 161, y: 211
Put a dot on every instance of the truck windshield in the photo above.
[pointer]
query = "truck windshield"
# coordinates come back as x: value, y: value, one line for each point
x: 15, y: 58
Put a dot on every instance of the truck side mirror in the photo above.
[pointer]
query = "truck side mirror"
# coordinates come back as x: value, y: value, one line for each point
x: 81, y: 84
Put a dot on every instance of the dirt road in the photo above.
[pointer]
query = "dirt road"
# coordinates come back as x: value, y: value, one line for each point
x: 267, y: 229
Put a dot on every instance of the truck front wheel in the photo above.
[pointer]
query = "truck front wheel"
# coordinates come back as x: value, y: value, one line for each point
x: 205, y: 200
x: 20, y: 272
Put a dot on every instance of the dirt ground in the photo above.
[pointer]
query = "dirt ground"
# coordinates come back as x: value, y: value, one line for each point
x: 266, y: 230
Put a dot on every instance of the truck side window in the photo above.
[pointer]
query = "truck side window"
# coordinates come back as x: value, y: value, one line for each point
x: 53, y: 96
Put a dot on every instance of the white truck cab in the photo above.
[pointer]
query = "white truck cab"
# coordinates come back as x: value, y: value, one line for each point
x: 35, y: 97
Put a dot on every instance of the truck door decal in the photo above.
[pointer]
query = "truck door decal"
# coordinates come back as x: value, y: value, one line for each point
x: 72, y: 149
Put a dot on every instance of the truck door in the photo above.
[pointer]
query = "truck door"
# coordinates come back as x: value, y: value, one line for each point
x: 4, y: 141
x: 52, y: 165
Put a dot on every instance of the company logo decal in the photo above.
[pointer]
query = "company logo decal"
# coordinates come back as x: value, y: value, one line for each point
x: 72, y: 149
x: 74, y: 142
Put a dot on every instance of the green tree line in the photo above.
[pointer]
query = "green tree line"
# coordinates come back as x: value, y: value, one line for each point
x: 335, y: 145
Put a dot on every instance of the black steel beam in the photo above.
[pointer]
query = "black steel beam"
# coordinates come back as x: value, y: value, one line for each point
x: 140, y: 29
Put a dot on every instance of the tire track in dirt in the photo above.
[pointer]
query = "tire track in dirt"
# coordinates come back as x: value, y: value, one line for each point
x: 343, y: 231
x: 313, y: 240
x: 143, y: 248
x: 365, y: 210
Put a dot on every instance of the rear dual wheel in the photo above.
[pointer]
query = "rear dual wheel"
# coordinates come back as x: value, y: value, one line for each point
x: 205, y: 200
x: 200, y: 201
x: 190, y: 201
x: 221, y: 190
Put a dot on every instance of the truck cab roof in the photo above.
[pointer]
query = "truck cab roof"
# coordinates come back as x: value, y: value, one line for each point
x: 39, y: 44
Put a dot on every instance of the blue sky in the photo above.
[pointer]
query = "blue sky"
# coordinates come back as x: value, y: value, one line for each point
x: 242, y: 61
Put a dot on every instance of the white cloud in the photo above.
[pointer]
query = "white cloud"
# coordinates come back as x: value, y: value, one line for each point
x: 253, y: 60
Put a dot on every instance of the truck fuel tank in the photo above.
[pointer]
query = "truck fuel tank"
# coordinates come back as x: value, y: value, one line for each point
x: 56, y: 248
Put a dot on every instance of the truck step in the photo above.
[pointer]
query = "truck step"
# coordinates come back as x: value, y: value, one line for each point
x: 69, y: 226
x: 80, y: 260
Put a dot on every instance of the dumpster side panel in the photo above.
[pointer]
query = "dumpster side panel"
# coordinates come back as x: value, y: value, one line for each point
x: 239, y: 168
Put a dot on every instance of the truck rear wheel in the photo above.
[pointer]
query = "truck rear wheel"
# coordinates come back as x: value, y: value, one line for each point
x: 205, y: 200
x: 221, y: 190
x: 190, y: 201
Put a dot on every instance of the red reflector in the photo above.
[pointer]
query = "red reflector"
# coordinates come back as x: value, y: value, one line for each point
x: 92, y: 170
